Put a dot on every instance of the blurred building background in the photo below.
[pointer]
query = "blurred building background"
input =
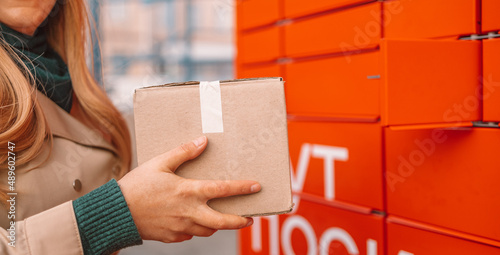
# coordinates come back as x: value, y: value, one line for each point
x: 151, y: 42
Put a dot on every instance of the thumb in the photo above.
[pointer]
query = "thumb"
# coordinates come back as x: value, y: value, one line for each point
x: 174, y: 158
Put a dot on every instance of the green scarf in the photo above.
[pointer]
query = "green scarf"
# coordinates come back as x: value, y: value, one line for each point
x: 48, y: 68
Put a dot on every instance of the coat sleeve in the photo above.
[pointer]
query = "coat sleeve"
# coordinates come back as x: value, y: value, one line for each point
x: 53, y: 231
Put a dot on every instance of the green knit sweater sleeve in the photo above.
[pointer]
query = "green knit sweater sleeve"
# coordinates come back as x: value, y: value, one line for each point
x: 104, y: 221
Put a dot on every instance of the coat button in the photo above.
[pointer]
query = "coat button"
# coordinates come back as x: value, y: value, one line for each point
x: 77, y: 185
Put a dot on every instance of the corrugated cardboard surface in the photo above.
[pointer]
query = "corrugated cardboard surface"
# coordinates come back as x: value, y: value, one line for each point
x: 253, y: 146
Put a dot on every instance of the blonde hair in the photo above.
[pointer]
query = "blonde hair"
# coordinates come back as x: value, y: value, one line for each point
x: 21, y: 117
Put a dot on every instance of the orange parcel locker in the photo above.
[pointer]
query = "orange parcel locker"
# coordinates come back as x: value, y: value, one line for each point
x: 406, y: 240
x: 262, y: 45
x: 445, y: 177
x: 297, y: 8
x: 261, y: 238
x: 254, y: 71
x: 346, y: 30
x: 491, y: 80
x: 430, y: 81
x: 430, y: 19
x: 255, y: 13
x: 314, y: 229
x: 337, y: 161
x: 490, y: 18
x: 341, y: 86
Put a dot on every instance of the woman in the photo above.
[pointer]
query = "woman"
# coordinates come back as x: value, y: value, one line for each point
x: 62, y: 142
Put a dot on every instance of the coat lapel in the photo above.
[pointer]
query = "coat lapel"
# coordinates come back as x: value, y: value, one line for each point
x: 62, y: 124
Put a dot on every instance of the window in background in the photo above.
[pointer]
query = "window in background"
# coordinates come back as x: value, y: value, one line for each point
x: 151, y: 42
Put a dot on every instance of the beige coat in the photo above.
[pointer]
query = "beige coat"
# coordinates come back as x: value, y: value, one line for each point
x: 46, y: 222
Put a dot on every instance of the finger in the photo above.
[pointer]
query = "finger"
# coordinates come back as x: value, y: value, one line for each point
x: 177, y: 238
x: 199, y: 230
x: 174, y: 158
x: 216, y: 220
x: 212, y: 189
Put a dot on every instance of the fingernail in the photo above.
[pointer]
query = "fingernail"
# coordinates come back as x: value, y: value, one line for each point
x: 249, y: 223
x: 199, y: 141
x: 256, y: 187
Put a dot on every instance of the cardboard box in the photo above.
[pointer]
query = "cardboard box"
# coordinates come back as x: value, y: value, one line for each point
x: 430, y: 19
x: 338, y: 161
x: 338, y: 32
x: 410, y: 238
x: 491, y: 80
x: 445, y: 177
x: 245, y: 123
x: 490, y: 19
x: 315, y: 228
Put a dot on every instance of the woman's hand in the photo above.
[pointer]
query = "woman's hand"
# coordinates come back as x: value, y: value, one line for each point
x: 169, y: 208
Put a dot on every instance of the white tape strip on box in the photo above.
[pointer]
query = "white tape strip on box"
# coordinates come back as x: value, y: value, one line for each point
x: 211, y: 107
